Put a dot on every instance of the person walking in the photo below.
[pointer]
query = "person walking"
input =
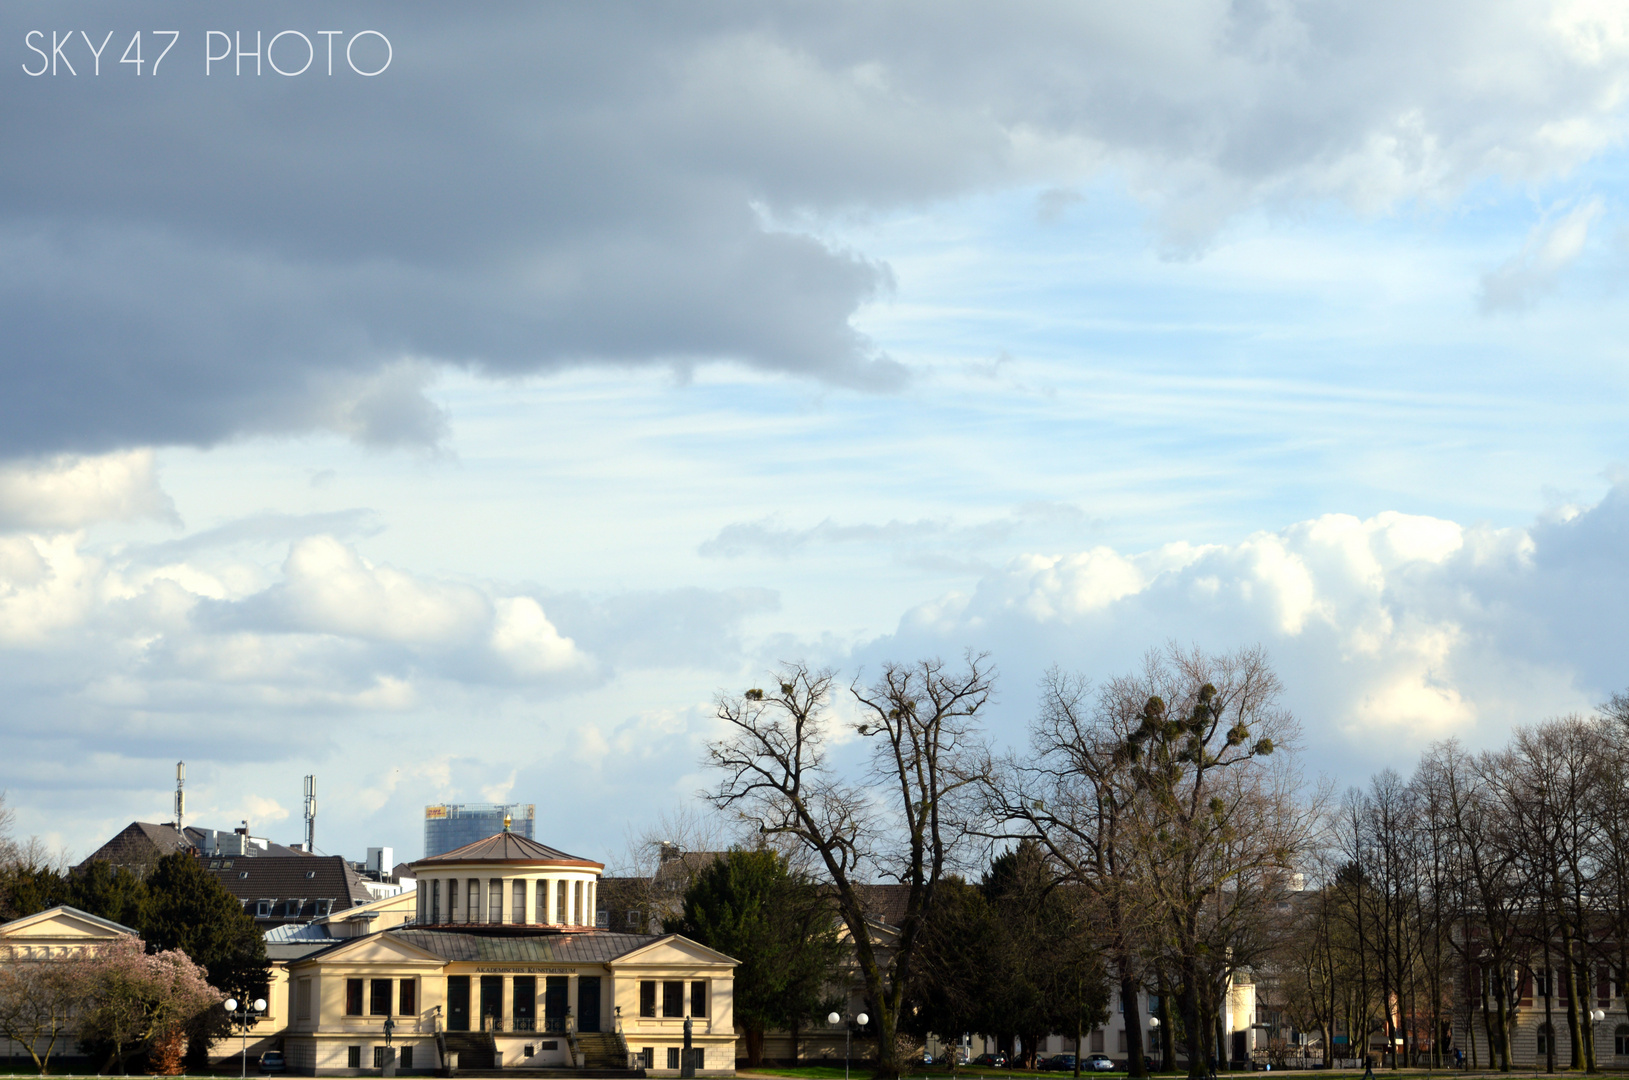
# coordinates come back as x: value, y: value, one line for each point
x: 1368, y: 1067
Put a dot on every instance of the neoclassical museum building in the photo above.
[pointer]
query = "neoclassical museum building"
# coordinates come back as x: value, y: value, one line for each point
x: 502, y: 968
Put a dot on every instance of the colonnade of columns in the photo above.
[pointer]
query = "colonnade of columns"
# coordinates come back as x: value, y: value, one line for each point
x: 507, y: 901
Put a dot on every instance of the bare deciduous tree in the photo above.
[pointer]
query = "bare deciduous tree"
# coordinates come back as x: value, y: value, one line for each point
x: 777, y: 773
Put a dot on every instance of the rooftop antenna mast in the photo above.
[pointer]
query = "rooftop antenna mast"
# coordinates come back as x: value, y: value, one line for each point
x: 180, y: 794
x: 311, y: 814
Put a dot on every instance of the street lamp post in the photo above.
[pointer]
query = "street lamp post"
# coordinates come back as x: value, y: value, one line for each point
x: 848, y: 1031
x: 1154, y: 1026
x: 243, y: 1018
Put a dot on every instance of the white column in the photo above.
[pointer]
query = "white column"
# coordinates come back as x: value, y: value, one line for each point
x: 504, y: 914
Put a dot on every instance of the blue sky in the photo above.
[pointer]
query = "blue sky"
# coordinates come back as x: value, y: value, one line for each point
x: 456, y: 434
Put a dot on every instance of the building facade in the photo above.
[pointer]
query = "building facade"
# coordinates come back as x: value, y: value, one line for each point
x: 502, y: 967
x: 452, y: 825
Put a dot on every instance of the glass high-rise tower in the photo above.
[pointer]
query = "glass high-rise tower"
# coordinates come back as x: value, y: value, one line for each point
x: 452, y: 825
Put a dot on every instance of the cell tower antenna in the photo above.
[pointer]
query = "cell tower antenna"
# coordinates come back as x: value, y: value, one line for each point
x: 311, y: 814
x: 180, y: 795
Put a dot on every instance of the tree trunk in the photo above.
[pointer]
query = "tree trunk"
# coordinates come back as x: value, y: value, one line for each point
x: 1134, y: 1030
x: 1192, y: 1029
x: 755, y: 1046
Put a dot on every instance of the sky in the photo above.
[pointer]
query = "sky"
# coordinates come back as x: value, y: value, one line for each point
x: 450, y: 402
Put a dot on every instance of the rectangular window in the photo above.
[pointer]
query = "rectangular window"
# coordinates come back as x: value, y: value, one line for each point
x: 452, y: 900
x: 353, y: 1057
x: 1541, y: 983
x: 673, y: 999
x: 379, y: 997
x: 647, y: 997
x: 673, y: 1057
x: 409, y: 998
x: 543, y: 900
x: 1097, y: 1041
x: 520, y: 901
x: 472, y: 900
x: 324, y: 907
x: 435, y: 901
x: 648, y: 1055
x: 698, y: 998
x: 602, y: 920
x: 302, y: 1000
x: 494, y: 895
x: 407, y: 1057
x: 353, y: 997
x: 633, y: 918
x: 560, y: 901
x: 379, y: 1056
x: 263, y: 909
x: 292, y: 909
x: 1122, y: 1040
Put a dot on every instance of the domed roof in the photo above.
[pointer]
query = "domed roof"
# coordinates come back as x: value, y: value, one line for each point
x: 507, y: 847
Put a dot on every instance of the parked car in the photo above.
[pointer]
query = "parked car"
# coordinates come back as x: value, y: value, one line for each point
x: 272, y: 1062
x: 1098, y: 1063
x: 1059, y: 1063
x: 997, y: 1060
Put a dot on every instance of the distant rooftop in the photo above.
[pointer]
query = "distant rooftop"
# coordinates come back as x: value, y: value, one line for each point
x: 506, y: 847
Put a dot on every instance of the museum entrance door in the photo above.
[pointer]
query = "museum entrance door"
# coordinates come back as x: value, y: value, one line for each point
x: 588, y: 1003
x: 458, y: 1003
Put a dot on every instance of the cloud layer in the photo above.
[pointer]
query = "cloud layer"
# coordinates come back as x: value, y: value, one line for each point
x: 535, y: 186
x: 1390, y: 632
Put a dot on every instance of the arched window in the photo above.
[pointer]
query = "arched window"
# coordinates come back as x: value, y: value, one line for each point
x: 1620, y: 1040
x: 1544, y: 1035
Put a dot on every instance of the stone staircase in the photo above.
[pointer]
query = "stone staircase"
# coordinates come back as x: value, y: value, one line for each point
x: 601, y: 1050
x: 470, y: 1050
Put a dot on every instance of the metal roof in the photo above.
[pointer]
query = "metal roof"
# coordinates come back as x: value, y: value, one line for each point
x: 587, y: 948
x: 505, y: 847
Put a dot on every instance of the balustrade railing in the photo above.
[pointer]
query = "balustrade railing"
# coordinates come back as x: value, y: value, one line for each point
x: 549, y: 1024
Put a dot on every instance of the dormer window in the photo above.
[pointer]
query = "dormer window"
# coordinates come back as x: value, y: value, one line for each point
x: 226, y: 864
x: 324, y: 907
x: 310, y: 874
x: 263, y: 909
x: 214, y: 864
x: 291, y: 908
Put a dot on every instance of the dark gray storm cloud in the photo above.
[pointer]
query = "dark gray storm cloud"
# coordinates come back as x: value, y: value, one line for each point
x: 187, y: 257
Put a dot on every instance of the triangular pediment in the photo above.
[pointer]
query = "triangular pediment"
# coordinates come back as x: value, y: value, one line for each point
x: 673, y: 951
x: 382, y: 948
x: 64, y: 923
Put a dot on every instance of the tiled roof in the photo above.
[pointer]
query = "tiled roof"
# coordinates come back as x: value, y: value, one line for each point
x: 139, y: 843
x: 586, y: 948
x: 142, y: 843
x: 306, y: 880
x: 680, y: 870
x: 505, y: 847
x: 885, y: 903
